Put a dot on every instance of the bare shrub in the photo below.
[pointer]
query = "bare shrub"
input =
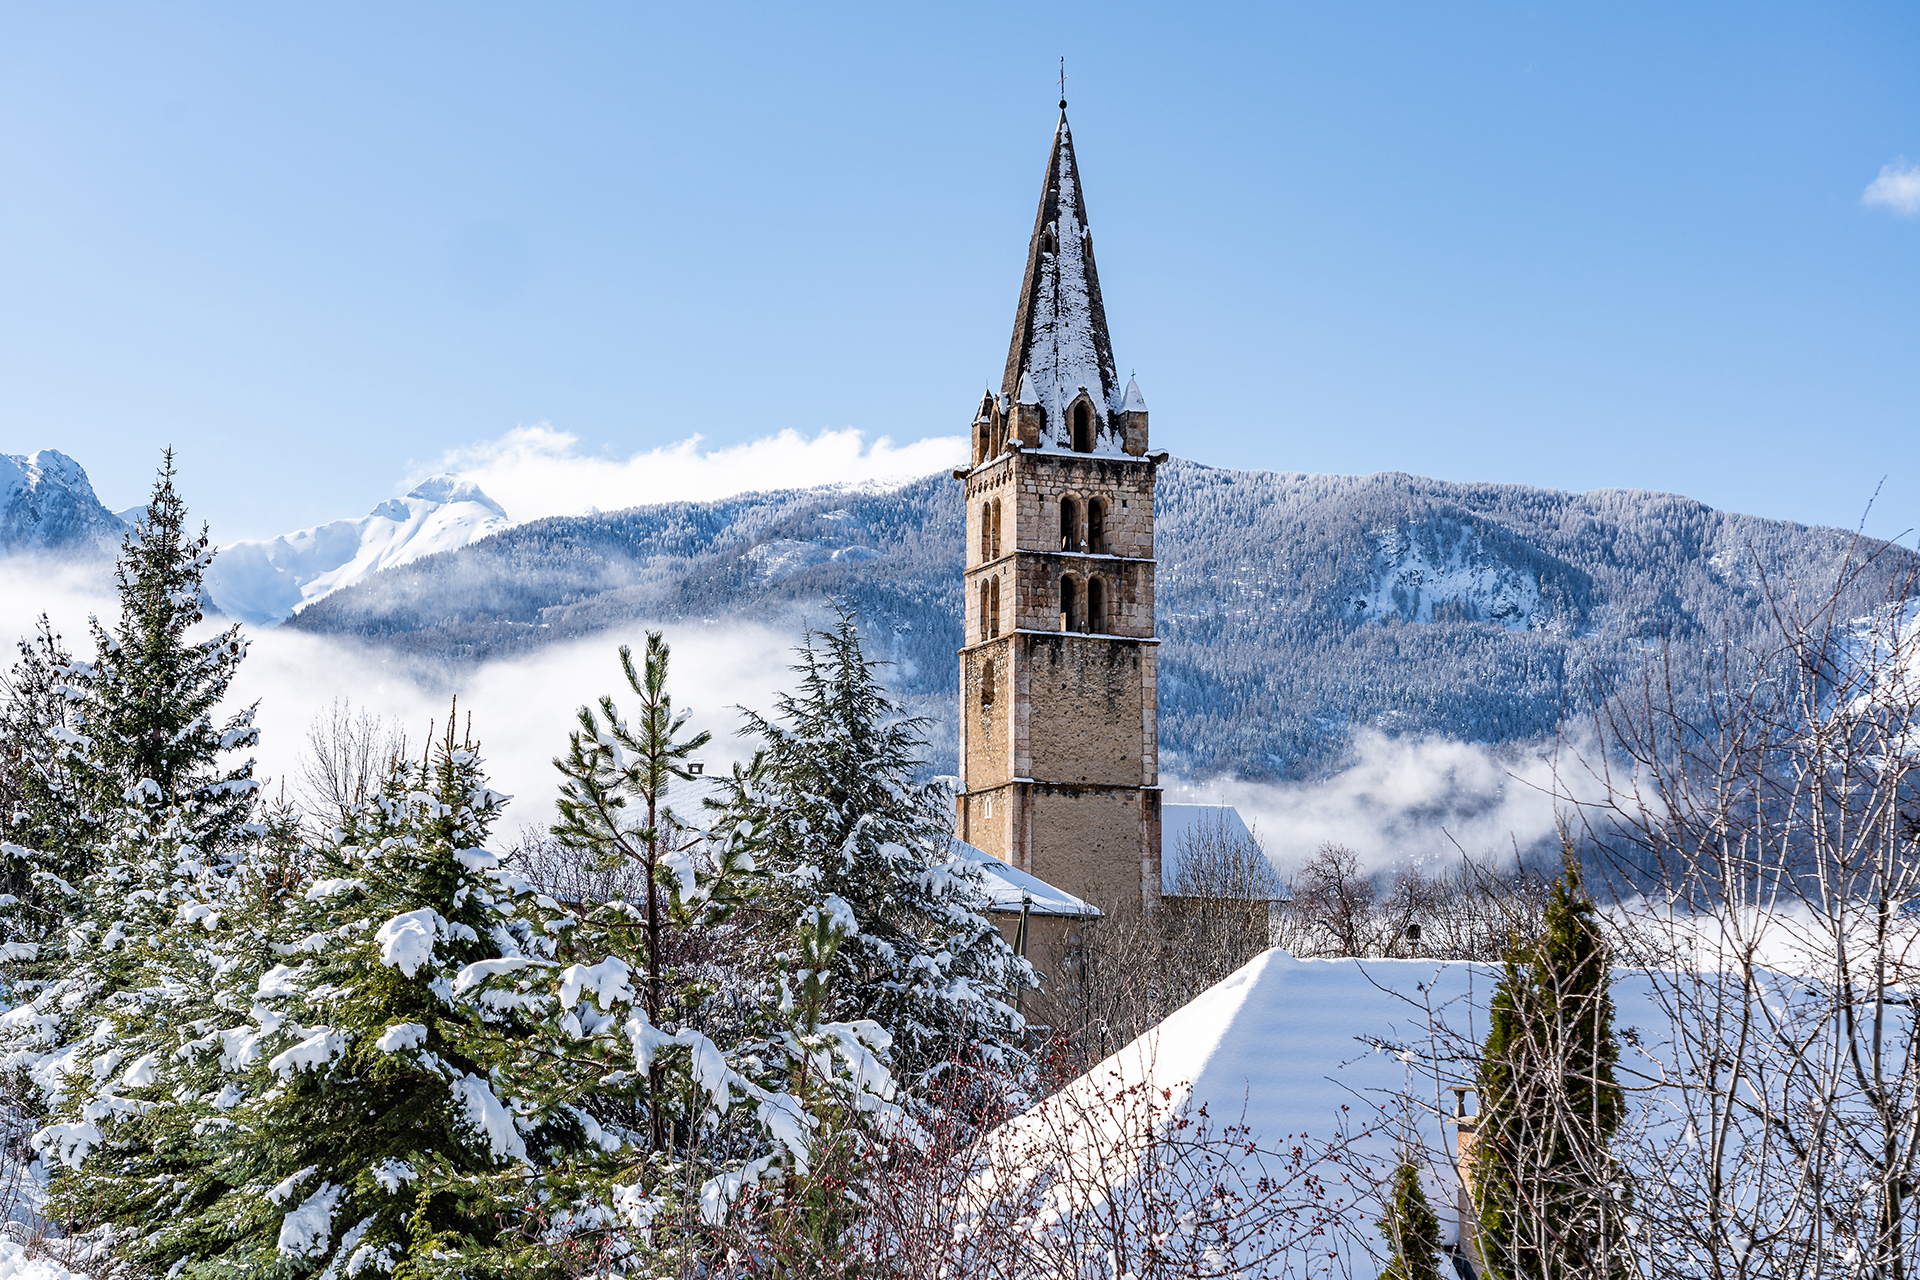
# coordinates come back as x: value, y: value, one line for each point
x: 349, y: 753
x: 572, y: 874
x: 1466, y: 912
x: 1774, y: 819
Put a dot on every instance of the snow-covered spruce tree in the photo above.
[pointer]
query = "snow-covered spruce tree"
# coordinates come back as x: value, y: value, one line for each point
x: 144, y: 711
x: 831, y: 790
x: 136, y: 813
x: 148, y: 705
x: 137, y: 1122
x: 39, y: 810
x: 349, y: 1109
x: 1410, y: 1226
x: 694, y: 1083
x: 1550, y: 1196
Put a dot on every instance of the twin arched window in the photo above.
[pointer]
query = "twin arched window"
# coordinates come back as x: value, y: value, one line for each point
x: 1091, y: 536
x: 990, y: 608
x: 990, y: 530
x: 1083, y: 607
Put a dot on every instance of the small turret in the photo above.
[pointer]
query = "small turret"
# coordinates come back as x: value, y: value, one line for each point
x: 989, y: 435
x: 1133, y: 420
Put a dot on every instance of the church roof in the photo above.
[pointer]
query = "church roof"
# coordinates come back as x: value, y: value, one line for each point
x: 1060, y: 338
x: 1008, y: 888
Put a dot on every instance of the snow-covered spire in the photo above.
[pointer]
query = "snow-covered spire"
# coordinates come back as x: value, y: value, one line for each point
x: 1060, y: 338
x: 1135, y: 402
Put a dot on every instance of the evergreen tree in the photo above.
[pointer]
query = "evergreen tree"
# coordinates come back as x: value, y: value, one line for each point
x: 350, y: 1114
x: 693, y: 1082
x: 38, y: 804
x: 607, y: 767
x: 1410, y: 1227
x: 132, y: 809
x: 137, y: 1117
x: 1548, y: 1191
x: 832, y: 792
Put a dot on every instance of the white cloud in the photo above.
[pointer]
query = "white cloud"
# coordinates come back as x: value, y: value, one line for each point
x: 537, y: 471
x: 1897, y: 188
x: 1413, y: 799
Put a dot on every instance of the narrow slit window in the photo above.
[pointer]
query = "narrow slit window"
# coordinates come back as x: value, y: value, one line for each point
x: 986, y: 611
x: 986, y: 532
x: 996, y: 528
x: 993, y: 609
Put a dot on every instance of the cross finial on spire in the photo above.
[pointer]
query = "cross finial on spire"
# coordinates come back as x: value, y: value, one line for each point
x: 1063, y: 82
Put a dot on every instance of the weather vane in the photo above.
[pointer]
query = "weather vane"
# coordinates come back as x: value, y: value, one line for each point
x: 1063, y: 83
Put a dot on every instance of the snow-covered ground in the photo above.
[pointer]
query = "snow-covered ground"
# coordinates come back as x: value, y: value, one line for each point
x: 269, y: 581
x: 16, y: 1265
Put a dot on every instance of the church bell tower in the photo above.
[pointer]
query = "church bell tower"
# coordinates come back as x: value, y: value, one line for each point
x: 1059, y: 709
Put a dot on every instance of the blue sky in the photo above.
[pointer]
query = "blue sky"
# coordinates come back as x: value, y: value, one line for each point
x: 317, y: 247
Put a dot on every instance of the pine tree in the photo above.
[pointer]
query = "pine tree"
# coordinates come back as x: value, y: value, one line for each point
x: 39, y: 809
x: 350, y: 1116
x: 832, y: 792
x: 1410, y: 1227
x: 148, y: 704
x: 693, y: 1082
x: 611, y: 771
x: 1548, y: 1191
x: 132, y: 808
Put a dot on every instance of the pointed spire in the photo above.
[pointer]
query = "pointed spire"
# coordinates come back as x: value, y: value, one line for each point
x: 1135, y: 402
x: 1060, y: 331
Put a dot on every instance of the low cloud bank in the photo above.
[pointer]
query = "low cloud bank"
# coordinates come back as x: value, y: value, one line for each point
x: 1410, y: 800
x: 522, y: 708
x: 539, y: 471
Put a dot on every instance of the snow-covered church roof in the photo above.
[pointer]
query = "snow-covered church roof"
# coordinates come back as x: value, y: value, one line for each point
x: 1009, y: 889
x: 1060, y: 342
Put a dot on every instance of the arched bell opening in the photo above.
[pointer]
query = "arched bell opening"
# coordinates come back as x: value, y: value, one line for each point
x: 993, y: 608
x: 1071, y: 614
x: 1069, y: 524
x: 1097, y: 525
x: 1096, y: 619
x: 1081, y: 419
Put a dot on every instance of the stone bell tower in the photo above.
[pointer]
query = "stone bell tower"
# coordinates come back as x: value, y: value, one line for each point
x: 1059, y: 709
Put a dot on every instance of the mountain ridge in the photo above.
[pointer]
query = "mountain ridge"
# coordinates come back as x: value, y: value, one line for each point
x: 1294, y: 610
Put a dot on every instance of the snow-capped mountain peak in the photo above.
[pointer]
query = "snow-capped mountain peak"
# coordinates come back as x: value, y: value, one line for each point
x: 265, y: 581
x: 47, y: 504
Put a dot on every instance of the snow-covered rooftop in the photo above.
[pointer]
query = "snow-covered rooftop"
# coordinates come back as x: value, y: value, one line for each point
x: 1008, y: 887
x: 1183, y: 824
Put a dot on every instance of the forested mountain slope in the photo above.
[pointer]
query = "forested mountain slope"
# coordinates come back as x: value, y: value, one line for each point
x: 1294, y: 608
